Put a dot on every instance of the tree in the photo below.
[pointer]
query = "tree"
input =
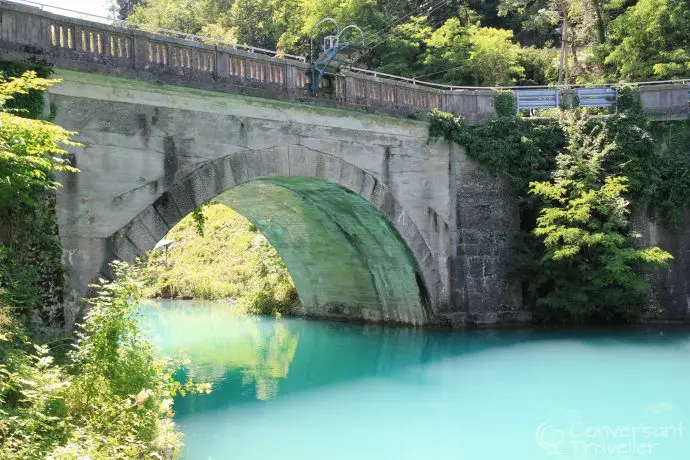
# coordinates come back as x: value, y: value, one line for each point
x: 447, y: 51
x: 307, y: 13
x: 578, y: 25
x: 123, y: 8
x: 540, y: 64
x: 254, y: 22
x: 30, y: 150
x: 493, y: 58
x: 455, y: 40
x: 651, y: 41
x: 403, y: 52
x: 590, y: 264
x: 534, y: 20
x: 189, y: 16
x: 472, y: 55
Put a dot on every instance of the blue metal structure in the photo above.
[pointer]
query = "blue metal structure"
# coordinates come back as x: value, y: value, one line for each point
x: 597, y: 97
x: 550, y: 98
x: 332, y: 45
x: 537, y: 99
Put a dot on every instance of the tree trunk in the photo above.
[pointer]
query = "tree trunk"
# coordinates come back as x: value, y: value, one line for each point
x: 563, y: 66
x: 601, y: 26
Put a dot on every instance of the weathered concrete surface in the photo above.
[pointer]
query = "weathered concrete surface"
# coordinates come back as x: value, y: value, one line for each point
x: 152, y: 153
x: 346, y: 260
x: 669, y: 297
x: 487, y: 222
x: 665, y: 102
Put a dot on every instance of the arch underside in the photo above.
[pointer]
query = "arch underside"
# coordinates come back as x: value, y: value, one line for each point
x: 344, y: 257
x: 350, y: 248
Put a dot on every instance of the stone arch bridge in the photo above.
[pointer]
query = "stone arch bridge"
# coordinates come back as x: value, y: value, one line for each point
x: 361, y: 207
x: 374, y: 220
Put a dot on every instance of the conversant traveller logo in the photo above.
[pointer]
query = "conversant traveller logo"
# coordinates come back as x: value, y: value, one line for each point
x: 613, y: 441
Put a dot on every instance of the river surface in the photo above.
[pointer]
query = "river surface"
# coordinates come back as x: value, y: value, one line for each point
x: 294, y: 389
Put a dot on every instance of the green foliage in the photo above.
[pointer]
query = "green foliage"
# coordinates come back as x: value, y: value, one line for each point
x: 575, y: 177
x: 536, y: 17
x: 270, y: 290
x: 522, y: 149
x: 494, y: 58
x: 31, y: 150
x: 447, y: 51
x: 540, y: 64
x: 28, y: 103
x: 231, y: 260
x: 650, y: 40
x: 590, y: 267
x: 505, y: 104
x: 31, y: 274
x: 672, y: 147
x: 183, y: 15
x: 252, y: 21
x: 403, y: 53
x: 469, y: 42
x: 199, y: 220
x: 111, y: 400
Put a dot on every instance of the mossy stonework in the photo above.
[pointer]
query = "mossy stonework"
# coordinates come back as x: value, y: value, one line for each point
x: 596, y: 266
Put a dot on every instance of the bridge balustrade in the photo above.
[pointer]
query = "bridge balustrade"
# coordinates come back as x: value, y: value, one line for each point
x: 144, y: 52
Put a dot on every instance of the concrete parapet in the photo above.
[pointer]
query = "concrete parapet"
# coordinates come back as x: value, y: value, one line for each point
x: 665, y: 102
x: 133, y: 52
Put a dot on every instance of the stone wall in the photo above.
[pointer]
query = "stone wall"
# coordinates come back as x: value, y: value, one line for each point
x: 670, y: 287
x: 487, y: 222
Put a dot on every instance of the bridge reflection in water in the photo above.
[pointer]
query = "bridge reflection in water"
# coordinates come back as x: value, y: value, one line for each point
x: 299, y: 389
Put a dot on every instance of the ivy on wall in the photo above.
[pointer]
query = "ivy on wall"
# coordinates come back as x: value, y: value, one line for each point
x: 31, y: 103
x: 31, y: 272
x: 576, y: 176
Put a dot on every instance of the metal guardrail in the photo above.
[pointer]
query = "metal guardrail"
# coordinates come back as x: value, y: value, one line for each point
x: 597, y: 97
x: 602, y: 96
x: 551, y: 98
x: 445, y: 86
x: 537, y: 99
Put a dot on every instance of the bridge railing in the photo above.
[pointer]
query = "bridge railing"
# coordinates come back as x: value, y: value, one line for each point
x: 66, y: 12
x: 143, y: 52
x: 78, y: 41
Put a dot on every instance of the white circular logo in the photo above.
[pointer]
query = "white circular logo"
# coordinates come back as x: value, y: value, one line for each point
x: 549, y: 438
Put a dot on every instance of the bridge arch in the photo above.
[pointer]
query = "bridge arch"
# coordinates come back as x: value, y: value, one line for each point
x: 388, y: 255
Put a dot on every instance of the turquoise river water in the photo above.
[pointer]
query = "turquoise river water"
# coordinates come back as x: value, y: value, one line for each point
x: 299, y: 390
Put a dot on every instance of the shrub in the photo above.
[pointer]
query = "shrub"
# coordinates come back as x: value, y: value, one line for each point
x: 111, y: 400
x: 589, y: 266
